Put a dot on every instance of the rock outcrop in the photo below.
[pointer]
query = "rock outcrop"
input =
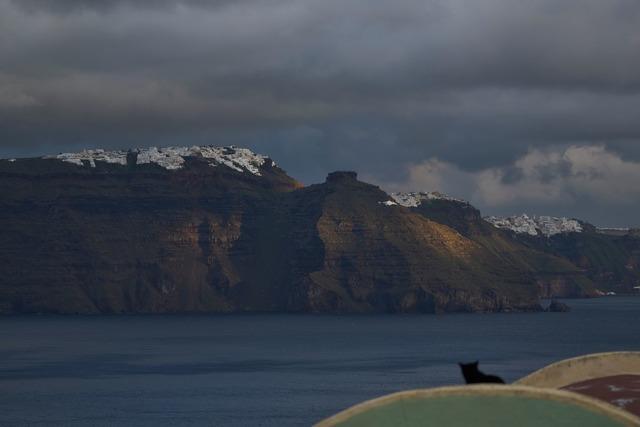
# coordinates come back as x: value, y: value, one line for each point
x: 385, y: 258
x: 557, y: 307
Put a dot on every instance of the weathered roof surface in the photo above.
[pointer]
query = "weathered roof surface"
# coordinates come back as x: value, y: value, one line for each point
x: 483, y: 405
x: 582, y: 368
x: 622, y: 391
x: 612, y: 377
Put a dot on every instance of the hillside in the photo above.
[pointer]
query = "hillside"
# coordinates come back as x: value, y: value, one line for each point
x: 131, y: 237
x: 609, y: 257
x: 555, y: 276
x: 210, y: 229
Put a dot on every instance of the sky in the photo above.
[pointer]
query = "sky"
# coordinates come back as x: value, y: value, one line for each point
x: 517, y: 106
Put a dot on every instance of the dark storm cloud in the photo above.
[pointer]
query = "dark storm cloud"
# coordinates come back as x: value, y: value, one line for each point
x: 554, y: 180
x: 74, y: 6
x: 377, y: 86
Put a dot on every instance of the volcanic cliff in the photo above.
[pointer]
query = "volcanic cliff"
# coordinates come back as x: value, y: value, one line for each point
x: 609, y: 257
x: 209, y: 229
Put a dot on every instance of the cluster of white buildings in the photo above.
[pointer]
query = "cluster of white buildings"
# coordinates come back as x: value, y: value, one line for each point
x: 415, y: 199
x: 536, y: 225
x: 172, y: 158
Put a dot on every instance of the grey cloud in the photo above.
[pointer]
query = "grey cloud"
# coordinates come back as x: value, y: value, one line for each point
x: 371, y: 85
x: 79, y: 6
x: 584, y: 181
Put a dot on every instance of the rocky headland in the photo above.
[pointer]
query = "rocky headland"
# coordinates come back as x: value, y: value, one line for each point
x: 222, y: 229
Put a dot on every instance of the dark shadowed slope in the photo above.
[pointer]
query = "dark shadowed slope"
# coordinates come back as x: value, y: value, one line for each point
x: 235, y: 233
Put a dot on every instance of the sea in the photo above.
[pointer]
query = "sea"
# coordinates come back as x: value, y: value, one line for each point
x: 273, y: 369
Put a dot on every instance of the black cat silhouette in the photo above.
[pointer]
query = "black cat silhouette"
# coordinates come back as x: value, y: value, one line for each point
x: 472, y: 375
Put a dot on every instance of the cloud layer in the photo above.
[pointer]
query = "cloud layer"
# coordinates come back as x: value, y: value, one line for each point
x: 552, y: 181
x: 377, y: 86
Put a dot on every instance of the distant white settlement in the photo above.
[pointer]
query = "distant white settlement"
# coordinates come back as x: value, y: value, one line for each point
x: 415, y: 199
x: 536, y: 225
x: 171, y: 158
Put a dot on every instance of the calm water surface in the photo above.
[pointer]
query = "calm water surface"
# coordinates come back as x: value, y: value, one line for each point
x: 250, y: 370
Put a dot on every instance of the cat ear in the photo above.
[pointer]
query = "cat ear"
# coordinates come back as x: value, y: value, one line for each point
x: 476, y: 362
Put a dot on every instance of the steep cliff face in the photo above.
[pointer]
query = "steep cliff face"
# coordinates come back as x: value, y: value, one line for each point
x: 206, y: 229
x: 117, y: 238
x: 386, y: 258
x: 554, y: 275
x: 610, y: 258
x: 612, y: 262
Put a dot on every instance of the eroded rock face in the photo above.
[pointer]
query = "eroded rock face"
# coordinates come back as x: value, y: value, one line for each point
x: 554, y: 275
x: 112, y: 237
x: 609, y: 257
x: 385, y: 258
x: 610, y: 261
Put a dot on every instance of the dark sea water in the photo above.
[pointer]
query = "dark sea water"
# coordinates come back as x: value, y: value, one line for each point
x: 272, y: 370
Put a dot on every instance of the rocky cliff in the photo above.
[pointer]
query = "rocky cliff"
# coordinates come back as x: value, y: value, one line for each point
x: 612, y: 262
x: 103, y: 236
x: 554, y: 275
x: 609, y: 257
x: 207, y: 229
